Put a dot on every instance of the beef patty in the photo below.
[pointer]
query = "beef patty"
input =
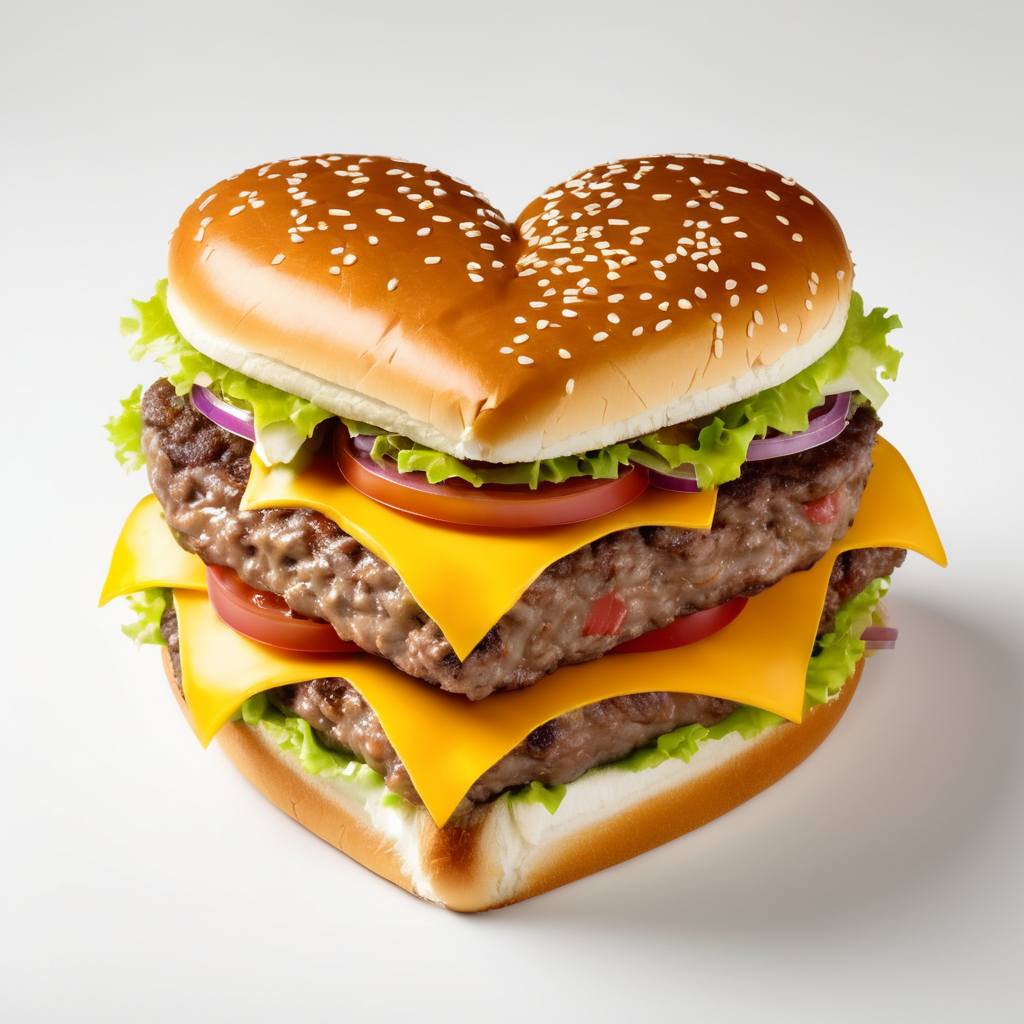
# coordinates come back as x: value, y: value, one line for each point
x: 760, y: 534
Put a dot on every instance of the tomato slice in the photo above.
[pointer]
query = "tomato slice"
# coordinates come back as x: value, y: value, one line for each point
x: 263, y: 616
x: 501, y: 506
x: 687, y: 629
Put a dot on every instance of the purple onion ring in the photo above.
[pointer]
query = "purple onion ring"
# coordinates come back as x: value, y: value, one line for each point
x: 231, y: 418
x: 879, y: 638
x: 827, y: 421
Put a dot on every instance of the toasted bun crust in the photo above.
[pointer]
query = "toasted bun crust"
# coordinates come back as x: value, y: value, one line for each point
x: 636, y: 294
x: 507, y: 853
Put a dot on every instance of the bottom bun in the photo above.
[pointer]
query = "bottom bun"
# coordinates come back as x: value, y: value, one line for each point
x: 507, y: 851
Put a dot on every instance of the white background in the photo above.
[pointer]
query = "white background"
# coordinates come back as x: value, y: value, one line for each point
x: 145, y: 881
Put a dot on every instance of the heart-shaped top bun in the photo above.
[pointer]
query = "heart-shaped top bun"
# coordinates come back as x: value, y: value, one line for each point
x: 636, y: 294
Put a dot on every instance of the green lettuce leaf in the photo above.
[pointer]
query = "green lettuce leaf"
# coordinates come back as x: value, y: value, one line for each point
x: 602, y: 464
x: 283, y: 421
x: 297, y: 736
x: 148, y: 606
x: 537, y: 793
x: 125, y: 432
x: 859, y: 361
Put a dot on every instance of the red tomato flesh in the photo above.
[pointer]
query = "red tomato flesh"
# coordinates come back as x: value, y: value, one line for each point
x: 499, y: 506
x: 263, y: 616
x: 606, y: 616
x: 822, y: 510
x: 687, y: 629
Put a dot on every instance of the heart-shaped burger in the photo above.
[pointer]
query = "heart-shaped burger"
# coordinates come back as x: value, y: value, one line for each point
x: 635, y: 295
x: 396, y: 423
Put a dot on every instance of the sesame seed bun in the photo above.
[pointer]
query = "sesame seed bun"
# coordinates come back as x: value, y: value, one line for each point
x: 634, y: 295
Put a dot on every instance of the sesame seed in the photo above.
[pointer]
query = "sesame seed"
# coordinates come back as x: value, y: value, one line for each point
x: 236, y: 210
x: 797, y: 237
x: 335, y: 270
x: 662, y: 324
x: 349, y: 260
x: 661, y: 197
x: 646, y: 295
x: 392, y: 284
x: 781, y: 219
x: 350, y: 227
x: 279, y: 258
x: 758, y: 266
x: 637, y: 331
x: 432, y: 259
x: 734, y: 300
x: 570, y: 385
x: 373, y: 239
x: 505, y: 350
x: 475, y: 278
x: 565, y: 353
x: 750, y: 328
x: 355, y: 192
x: 297, y: 238
x: 520, y: 338
x: 569, y: 313
x: 840, y: 274
x: 684, y: 304
x: 807, y: 199
x: 541, y: 324
x: 717, y: 317
x: 700, y: 293
x: 613, y: 318
x: 693, y: 204
x: 524, y: 361
x: 784, y: 328
x: 740, y: 234
x: 615, y: 222
x: 761, y: 289
x: 771, y: 195
x: 718, y: 348
x: 423, y: 232
x: 736, y: 189
x: 758, y: 319
x: 729, y: 220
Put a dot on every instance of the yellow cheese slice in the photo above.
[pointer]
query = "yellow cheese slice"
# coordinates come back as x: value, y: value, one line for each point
x: 485, y: 571
x: 146, y: 555
x: 447, y: 742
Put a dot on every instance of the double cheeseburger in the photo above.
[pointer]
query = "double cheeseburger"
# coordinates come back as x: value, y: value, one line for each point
x: 498, y: 552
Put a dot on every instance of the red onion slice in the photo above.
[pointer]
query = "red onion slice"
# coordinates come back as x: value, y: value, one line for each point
x: 681, y: 479
x: 231, y: 418
x: 826, y: 422
x: 879, y: 638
